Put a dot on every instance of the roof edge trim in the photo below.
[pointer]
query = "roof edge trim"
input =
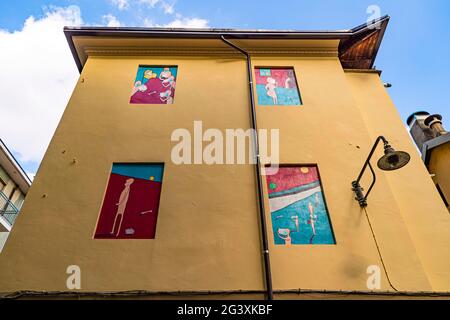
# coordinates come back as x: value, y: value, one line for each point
x: 137, y: 32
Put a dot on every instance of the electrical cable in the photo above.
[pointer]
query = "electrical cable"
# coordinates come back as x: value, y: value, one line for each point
x: 145, y: 293
x: 379, y: 252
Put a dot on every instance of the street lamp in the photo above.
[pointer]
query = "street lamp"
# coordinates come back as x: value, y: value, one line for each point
x: 392, y: 160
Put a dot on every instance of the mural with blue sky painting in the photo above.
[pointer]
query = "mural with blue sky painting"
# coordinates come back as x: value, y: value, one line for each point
x: 297, y: 207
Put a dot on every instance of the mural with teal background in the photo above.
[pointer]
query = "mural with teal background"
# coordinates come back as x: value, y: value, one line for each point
x: 277, y: 87
x: 155, y: 69
x: 298, y: 211
x: 154, y: 85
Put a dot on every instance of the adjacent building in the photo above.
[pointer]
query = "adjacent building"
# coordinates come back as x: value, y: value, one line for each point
x: 14, y: 185
x: 433, y: 141
x: 121, y: 205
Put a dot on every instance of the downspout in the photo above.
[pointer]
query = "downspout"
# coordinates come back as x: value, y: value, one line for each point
x: 265, y: 243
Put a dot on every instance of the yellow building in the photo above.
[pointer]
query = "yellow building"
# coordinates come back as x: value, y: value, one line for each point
x: 434, y: 143
x: 14, y: 185
x: 227, y: 230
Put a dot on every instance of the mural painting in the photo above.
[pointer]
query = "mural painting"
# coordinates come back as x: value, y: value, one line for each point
x: 154, y: 85
x: 297, y: 206
x: 277, y: 87
x: 130, y: 205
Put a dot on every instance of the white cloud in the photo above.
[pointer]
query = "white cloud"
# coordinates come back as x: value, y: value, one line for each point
x: 111, y: 21
x: 121, y: 4
x: 178, y: 23
x: 151, y: 3
x: 148, y: 23
x: 168, y: 8
x: 37, y: 77
x: 187, y: 23
x: 179, y: 20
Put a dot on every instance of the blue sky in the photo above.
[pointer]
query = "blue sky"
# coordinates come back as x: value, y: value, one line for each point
x: 414, y: 55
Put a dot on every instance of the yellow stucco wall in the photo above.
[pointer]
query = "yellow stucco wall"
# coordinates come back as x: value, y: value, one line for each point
x: 330, y: 130
x: 438, y: 166
x: 415, y: 197
x: 207, y: 236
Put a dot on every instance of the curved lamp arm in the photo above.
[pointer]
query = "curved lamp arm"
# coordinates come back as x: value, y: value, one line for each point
x: 356, y: 187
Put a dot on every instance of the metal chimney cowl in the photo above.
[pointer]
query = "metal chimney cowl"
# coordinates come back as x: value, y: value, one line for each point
x: 435, y: 123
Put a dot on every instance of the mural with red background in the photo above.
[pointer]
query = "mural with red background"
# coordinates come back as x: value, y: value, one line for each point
x: 131, y: 202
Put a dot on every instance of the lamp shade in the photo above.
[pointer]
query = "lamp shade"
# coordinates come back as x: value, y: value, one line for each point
x: 393, y: 160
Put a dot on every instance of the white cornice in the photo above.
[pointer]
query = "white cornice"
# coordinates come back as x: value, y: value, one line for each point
x: 198, y: 51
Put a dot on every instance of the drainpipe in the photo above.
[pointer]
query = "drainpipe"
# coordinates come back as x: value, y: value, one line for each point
x: 265, y: 243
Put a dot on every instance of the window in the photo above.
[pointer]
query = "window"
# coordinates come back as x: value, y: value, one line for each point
x: 277, y: 87
x: 131, y: 202
x: 154, y: 85
x: 298, y: 209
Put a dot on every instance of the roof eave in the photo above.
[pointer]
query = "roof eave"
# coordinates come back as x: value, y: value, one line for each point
x: 432, y: 144
x: 25, y: 181
x: 136, y: 32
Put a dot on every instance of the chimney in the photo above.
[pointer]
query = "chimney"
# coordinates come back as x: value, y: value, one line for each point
x: 435, y: 123
x: 419, y: 131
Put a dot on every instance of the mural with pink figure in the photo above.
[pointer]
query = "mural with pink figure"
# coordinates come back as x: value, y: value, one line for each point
x: 277, y: 87
x: 154, y: 85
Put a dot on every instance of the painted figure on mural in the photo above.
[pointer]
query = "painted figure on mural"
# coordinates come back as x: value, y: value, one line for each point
x: 287, y: 83
x: 270, y: 88
x: 121, y: 205
x: 285, y: 234
x: 166, y: 96
x: 277, y: 87
x: 297, y: 226
x: 296, y: 200
x: 138, y: 86
x: 149, y: 74
x: 312, y: 218
x: 154, y: 85
x: 168, y: 80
